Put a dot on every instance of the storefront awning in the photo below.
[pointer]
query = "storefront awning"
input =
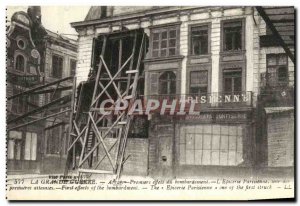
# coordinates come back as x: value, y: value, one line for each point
x: 271, y: 110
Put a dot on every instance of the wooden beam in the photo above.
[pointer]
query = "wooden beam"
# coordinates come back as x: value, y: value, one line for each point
x: 37, y: 120
x: 40, y: 109
x: 53, y: 126
x: 38, y: 88
x: 269, y: 23
x: 51, y: 90
x: 111, y: 81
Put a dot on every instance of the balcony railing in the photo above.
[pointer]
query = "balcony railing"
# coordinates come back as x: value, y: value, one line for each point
x: 208, y: 100
x: 274, y: 80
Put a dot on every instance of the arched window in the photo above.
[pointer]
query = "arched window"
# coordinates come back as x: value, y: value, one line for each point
x: 167, y: 83
x: 20, y: 63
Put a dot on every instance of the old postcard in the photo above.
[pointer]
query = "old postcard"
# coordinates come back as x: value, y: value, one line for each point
x: 150, y: 102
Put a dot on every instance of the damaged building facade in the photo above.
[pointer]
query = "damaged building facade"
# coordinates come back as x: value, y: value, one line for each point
x: 219, y: 56
x: 36, y: 57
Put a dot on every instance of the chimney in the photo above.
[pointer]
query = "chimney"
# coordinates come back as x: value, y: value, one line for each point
x: 35, y: 14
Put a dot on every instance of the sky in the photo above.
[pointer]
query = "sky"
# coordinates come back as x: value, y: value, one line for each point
x: 57, y: 18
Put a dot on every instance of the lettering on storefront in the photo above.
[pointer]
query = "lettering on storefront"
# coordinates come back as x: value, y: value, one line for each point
x: 219, y: 117
x: 225, y: 98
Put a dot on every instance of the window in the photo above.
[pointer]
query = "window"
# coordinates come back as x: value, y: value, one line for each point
x: 164, y: 42
x: 199, y: 40
x: 232, y: 80
x: 232, y: 36
x: 23, y: 103
x: 14, y: 146
x: 72, y: 67
x: 30, y: 146
x: 18, y: 103
x: 52, y: 141
x: 57, y: 66
x: 20, y: 63
x: 277, y: 69
x: 211, y: 144
x: 198, y: 82
x: 167, y: 83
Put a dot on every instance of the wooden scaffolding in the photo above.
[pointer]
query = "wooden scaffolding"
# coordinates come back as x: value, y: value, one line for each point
x: 54, y: 108
x: 115, y: 78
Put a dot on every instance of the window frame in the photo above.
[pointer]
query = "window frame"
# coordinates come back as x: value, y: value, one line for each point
x: 162, y: 28
x: 218, y: 131
x: 15, y: 62
x: 198, y: 85
x: 70, y: 62
x: 240, y: 70
x: 52, y: 68
x: 191, y: 26
x: 276, y: 67
x: 50, y: 142
x: 169, y: 81
x: 243, y: 43
x: 19, y: 104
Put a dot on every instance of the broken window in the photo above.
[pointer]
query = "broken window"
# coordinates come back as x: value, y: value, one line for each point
x: 164, y: 42
x: 20, y: 63
x: 232, y: 36
x: 198, y: 82
x: 199, y: 40
x: 232, y: 80
x: 277, y: 69
x: 167, y: 83
x: 57, y: 66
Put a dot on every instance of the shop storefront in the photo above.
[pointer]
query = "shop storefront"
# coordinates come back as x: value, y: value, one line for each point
x: 192, y: 145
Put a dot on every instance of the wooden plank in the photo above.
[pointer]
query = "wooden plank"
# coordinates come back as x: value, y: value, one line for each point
x: 38, y: 88
x: 131, y: 62
x: 65, y: 98
x: 132, y: 71
x: 98, y: 135
x: 110, y: 76
x: 88, y: 125
x: 53, y: 126
x: 282, y: 17
x: 37, y: 120
x: 104, y: 136
x: 111, y: 80
x: 95, y: 171
x: 275, y: 32
x: 280, y: 10
x: 78, y: 136
x: 51, y: 90
x: 99, y: 162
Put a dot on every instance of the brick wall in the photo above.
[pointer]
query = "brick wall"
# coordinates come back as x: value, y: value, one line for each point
x: 280, y: 131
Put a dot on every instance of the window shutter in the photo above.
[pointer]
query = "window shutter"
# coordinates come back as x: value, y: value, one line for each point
x: 153, y: 83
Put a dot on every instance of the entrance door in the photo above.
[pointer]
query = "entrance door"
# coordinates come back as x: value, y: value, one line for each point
x: 164, y: 150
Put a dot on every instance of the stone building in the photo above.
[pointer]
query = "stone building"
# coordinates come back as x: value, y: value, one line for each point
x: 35, y: 57
x: 215, y: 55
